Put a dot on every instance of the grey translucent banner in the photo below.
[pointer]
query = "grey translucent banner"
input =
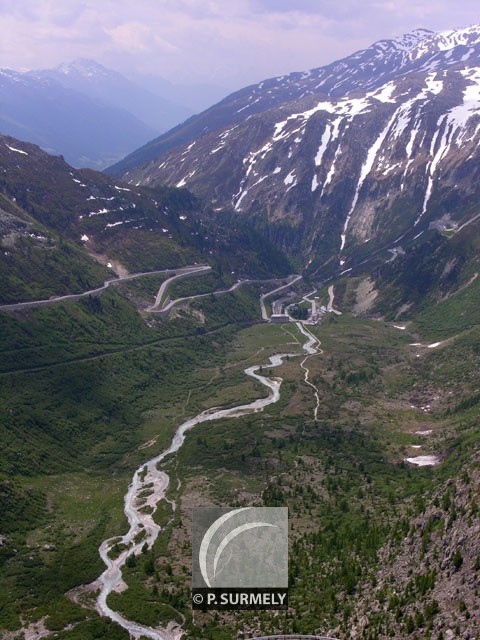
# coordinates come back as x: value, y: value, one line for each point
x: 235, y: 551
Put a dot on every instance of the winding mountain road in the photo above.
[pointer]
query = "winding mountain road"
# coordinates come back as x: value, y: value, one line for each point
x: 331, y: 298
x: 293, y: 280
x: 178, y: 273
x: 188, y: 271
x: 169, y: 305
x: 161, y: 305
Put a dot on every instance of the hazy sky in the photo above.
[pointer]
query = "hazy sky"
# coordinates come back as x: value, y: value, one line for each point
x: 228, y: 42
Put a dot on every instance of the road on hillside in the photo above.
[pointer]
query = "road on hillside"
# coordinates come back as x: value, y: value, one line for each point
x: 180, y: 272
x: 270, y: 293
x: 168, y: 306
x: 331, y: 298
x: 188, y: 271
x: 158, y: 307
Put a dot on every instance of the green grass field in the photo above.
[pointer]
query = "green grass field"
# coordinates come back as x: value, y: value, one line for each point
x: 129, y: 385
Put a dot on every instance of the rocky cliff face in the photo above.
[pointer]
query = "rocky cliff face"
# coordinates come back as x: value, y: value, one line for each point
x: 342, y: 171
x: 441, y: 600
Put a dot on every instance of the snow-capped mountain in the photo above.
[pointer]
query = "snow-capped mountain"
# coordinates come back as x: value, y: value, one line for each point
x: 348, y: 171
x: 367, y: 69
x: 112, y: 88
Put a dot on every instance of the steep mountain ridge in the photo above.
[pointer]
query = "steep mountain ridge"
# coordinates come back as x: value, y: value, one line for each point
x: 365, y: 69
x: 345, y: 176
x: 54, y: 218
x: 435, y: 281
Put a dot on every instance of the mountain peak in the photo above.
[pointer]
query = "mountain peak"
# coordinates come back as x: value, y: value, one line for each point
x: 434, y: 42
x: 85, y: 67
x: 406, y: 42
x: 422, y: 42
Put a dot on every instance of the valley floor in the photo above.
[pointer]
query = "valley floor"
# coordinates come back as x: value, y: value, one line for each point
x: 391, y: 548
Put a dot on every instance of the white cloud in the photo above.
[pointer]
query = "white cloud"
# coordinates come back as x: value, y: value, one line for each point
x: 137, y: 37
x: 234, y: 42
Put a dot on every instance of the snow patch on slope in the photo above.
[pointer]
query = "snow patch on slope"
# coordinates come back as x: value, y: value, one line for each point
x: 365, y: 171
x: 452, y: 129
x: 16, y: 150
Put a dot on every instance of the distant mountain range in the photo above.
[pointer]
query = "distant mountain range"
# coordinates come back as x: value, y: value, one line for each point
x: 112, y: 88
x: 336, y: 163
x: 88, y: 133
x: 92, y: 115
